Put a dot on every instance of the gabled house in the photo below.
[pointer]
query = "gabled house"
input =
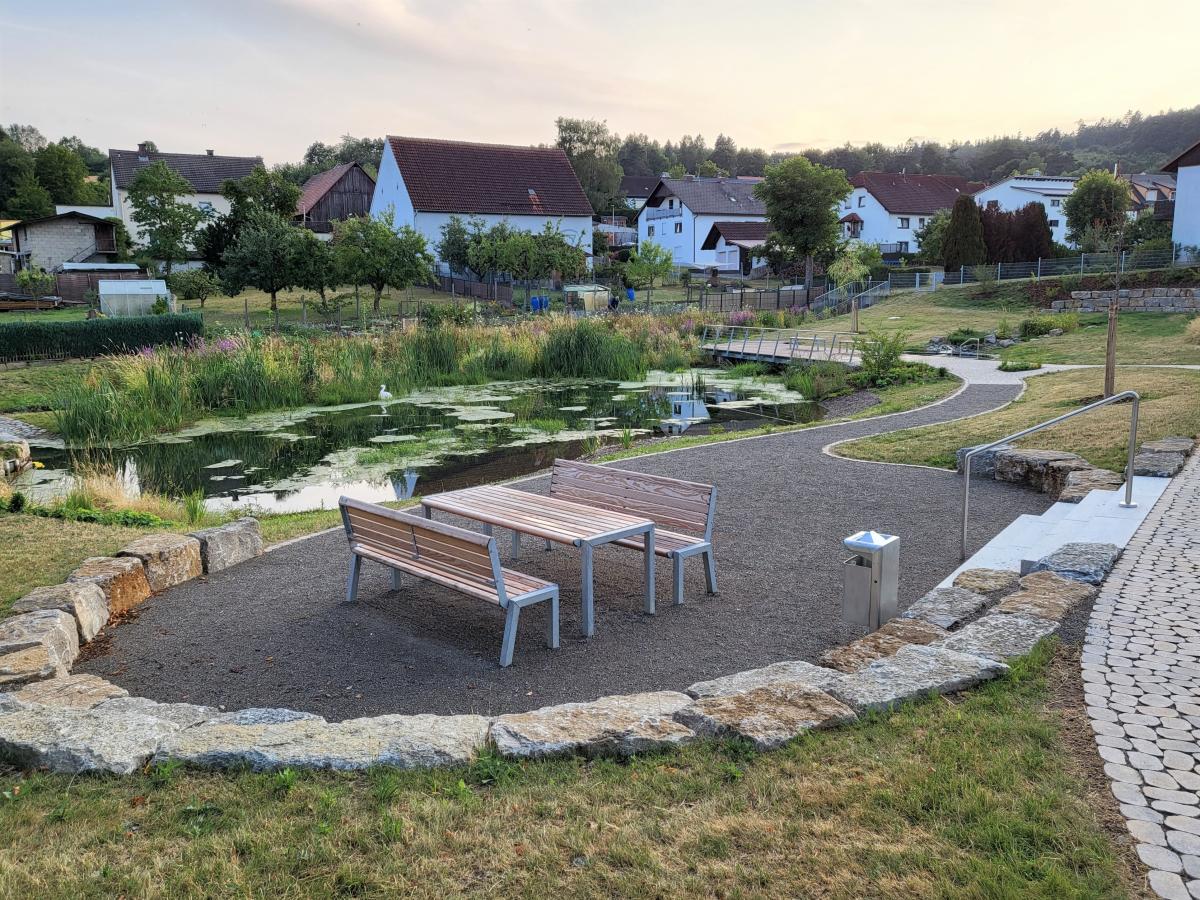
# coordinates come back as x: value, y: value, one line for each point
x: 339, y: 193
x: 205, y: 172
x: 1017, y: 191
x: 637, y: 189
x: 680, y: 213
x: 1146, y: 190
x: 424, y: 182
x: 889, y: 208
x: 53, y: 241
x: 734, y: 244
x: 1185, y: 230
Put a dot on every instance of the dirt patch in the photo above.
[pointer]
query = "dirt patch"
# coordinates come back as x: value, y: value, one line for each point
x: 1065, y: 701
x: 837, y: 407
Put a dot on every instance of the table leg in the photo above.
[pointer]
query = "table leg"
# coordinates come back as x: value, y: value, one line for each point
x: 516, y: 539
x: 649, y: 552
x: 589, y: 623
x: 428, y: 510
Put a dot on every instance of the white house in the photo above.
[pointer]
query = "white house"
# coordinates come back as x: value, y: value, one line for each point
x: 1186, y: 228
x: 888, y: 209
x: 735, y: 244
x: 205, y: 172
x: 1017, y: 191
x: 681, y: 212
x: 424, y: 182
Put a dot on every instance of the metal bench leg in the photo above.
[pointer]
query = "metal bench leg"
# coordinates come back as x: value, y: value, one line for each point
x: 487, y: 529
x: 510, y: 634
x: 589, y: 623
x: 710, y: 571
x: 352, y: 585
x: 395, y: 579
x: 554, y: 621
x: 678, y: 573
x: 648, y: 550
x: 549, y: 546
x: 516, y: 539
x: 428, y: 510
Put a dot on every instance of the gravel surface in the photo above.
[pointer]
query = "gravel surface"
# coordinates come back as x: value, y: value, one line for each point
x: 275, y: 631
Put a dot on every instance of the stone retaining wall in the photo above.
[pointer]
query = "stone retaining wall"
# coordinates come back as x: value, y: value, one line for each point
x: 1157, y: 299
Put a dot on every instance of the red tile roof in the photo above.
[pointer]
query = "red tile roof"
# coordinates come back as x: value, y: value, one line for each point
x: 460, y: 177
x: 318, y: 186
x: 919, y: 194
x: 850, y: 217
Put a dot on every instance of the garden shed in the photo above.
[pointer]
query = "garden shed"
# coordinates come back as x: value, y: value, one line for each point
x: 132, y: 298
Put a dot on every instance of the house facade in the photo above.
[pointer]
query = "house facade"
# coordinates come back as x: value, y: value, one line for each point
x: 1017, y: 191
x: 425, y: 182
x: 1185, y: 229
x: 734, y: 245
x: 681, y: 212
x: 888, y: 209
x: 205, y: 172
x: 52, y: 241
x: 331, y: 196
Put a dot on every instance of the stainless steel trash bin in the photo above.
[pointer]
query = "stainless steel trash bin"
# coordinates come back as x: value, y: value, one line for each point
x: 871, y: 578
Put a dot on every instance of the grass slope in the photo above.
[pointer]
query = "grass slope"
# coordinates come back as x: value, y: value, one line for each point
x: 1170, y: 405
x: 973, y: 796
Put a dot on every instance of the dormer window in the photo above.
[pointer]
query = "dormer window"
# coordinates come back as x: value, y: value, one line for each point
x: 860, y: 200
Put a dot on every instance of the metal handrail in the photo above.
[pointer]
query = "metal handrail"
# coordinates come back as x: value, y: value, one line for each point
x: 1115, y: 398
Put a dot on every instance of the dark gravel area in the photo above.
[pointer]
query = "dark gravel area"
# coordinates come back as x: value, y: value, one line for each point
x: 275, y: 631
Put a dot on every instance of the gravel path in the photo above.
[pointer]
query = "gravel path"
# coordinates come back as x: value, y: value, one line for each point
x: 275, y: 632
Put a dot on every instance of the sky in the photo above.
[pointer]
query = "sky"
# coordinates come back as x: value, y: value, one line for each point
x: 269, y: 77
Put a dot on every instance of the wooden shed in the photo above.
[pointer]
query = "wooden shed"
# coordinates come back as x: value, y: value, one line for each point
x: 335, y: 194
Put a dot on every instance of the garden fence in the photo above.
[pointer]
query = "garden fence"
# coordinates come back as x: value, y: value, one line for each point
x: 1085, y: 264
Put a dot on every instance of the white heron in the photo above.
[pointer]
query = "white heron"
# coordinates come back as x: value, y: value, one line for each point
x: 384, y: 393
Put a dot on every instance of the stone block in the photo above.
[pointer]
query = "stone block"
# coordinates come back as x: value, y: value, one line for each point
x: 1157, y: 464
x: 73, y: 691
x: 768, y: 717
x: 1031, y: 467
x: 184, y: 715
x: 122, y: 579
x: 611, y: 726
x: 890, y: 637
x: 794, y: 671
x: 228, y: 545
x: 1088, y: 563
x: 915, y: 671
x: 169, y: 559
x: 947, y: 607
x: 82, y: 599
x: 987, y: 581
x: 309, y: 742
x: 1059, y: 472
x: 1172, y: 444
x: 64, y: 739
x: 999, y: 636
x: 1081, y: 482
x: 1044, y: 595
x: 37, y: 645
x: 983, y: 465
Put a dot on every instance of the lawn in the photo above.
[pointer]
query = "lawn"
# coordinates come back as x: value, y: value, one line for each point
x: 981, y: 795
x: 1170, y: 405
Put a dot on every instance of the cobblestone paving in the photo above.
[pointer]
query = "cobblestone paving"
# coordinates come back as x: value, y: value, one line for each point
x: 1141, y: 672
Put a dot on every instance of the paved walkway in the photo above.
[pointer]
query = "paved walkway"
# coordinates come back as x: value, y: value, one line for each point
x: 1141, y: 672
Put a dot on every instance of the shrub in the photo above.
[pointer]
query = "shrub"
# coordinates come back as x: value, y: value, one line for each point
x: 16, y: 502
x: 817, y: 381
x: 1192, y: 334
x: 95, y: 337
x: 1016, y: 365
x: 583, y: 349
x: 433, y: 316
x: 1043, y: 323
x: 880, y: 354
x: 963, y: 335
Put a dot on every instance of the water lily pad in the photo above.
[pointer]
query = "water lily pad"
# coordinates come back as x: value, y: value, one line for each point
x: 391, y: 438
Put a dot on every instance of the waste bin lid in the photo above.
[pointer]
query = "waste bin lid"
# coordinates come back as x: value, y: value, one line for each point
x: 869, y: 540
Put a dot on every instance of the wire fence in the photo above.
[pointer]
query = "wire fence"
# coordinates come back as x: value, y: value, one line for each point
x: 1084, y: 264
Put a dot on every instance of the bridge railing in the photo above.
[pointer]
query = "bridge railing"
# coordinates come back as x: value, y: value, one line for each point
x: 781, y: 344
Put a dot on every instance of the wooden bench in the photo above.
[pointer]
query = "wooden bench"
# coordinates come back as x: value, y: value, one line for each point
x: 452, y: 557
x: 682, y: 511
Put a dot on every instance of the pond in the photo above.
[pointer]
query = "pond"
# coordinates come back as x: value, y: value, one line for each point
x: 438, y: 438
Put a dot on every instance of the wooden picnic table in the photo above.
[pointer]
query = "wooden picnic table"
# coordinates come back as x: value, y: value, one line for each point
x: 553, y: 520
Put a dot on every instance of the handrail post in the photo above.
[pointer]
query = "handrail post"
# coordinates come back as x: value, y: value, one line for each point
x: 1132, y: 451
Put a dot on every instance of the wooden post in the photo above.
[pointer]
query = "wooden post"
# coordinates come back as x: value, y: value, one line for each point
x: 246, y: 311
x: 854, y: 315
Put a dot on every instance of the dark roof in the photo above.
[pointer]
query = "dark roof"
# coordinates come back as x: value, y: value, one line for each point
x: 319, y: 185
x: 737, y: 233
x: 711, y: 196
x: 639, y: 185
x: 1189, y: 157
x: 460, y: 177
x: 899, y: 193
x: 66, y: 215
x: 203, y: 172
x: 850, y: 217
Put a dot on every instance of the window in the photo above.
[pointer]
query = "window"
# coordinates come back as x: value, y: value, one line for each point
x: 904, y: 221
x: 1056, y: 202
x: 1053, y: 223
x: 860, y: 201
x: 679, y: 228
x: 993, y: 204
x: 205, y: 207
x: 903, y: 245
x: 649, y: 231
x: 670, y: 204
x: 920, y: 223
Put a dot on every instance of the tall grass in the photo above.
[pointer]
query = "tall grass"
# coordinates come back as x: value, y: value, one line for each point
x: 162, y: 390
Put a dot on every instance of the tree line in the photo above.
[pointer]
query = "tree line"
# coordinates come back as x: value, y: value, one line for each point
x: 36, y: 173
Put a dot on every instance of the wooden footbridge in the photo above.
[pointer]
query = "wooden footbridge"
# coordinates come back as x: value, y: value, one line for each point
x: 781, y: 346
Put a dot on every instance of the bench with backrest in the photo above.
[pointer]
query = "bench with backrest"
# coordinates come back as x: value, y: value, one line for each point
x: 461, y: 560
x: 682, y: 511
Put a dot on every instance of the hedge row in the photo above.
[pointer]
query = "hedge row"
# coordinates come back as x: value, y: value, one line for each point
x: 95, y: 337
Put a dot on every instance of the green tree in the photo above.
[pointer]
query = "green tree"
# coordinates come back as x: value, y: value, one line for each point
x: 16, y: 164
x: 751, y: 161
x: 454, y: 249
x: 262, y: 189
x: 854, y: 263
x: 485, y: 255
x: 1099, y: 201
x: 592, y: 150
x: 802, y: 200
x: 168, y: 226
x: 317, y: 264
x: 26, y: 136
x: 94, y: 158
x: 35, y: 281
x: 963, y: 244
x: 266, y: 255
x: 709, y: 169
x: 677, y: 170
x: 649, y: 262
x: 724, y: 154
x: 193, y: 284
x: 30, y: 200
x: 1032, y: 237
x: 931, y: 236
x: 375, y: 253
x: 61, y: 172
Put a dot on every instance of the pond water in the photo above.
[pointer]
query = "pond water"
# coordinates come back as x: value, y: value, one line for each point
x: 431, y: 440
